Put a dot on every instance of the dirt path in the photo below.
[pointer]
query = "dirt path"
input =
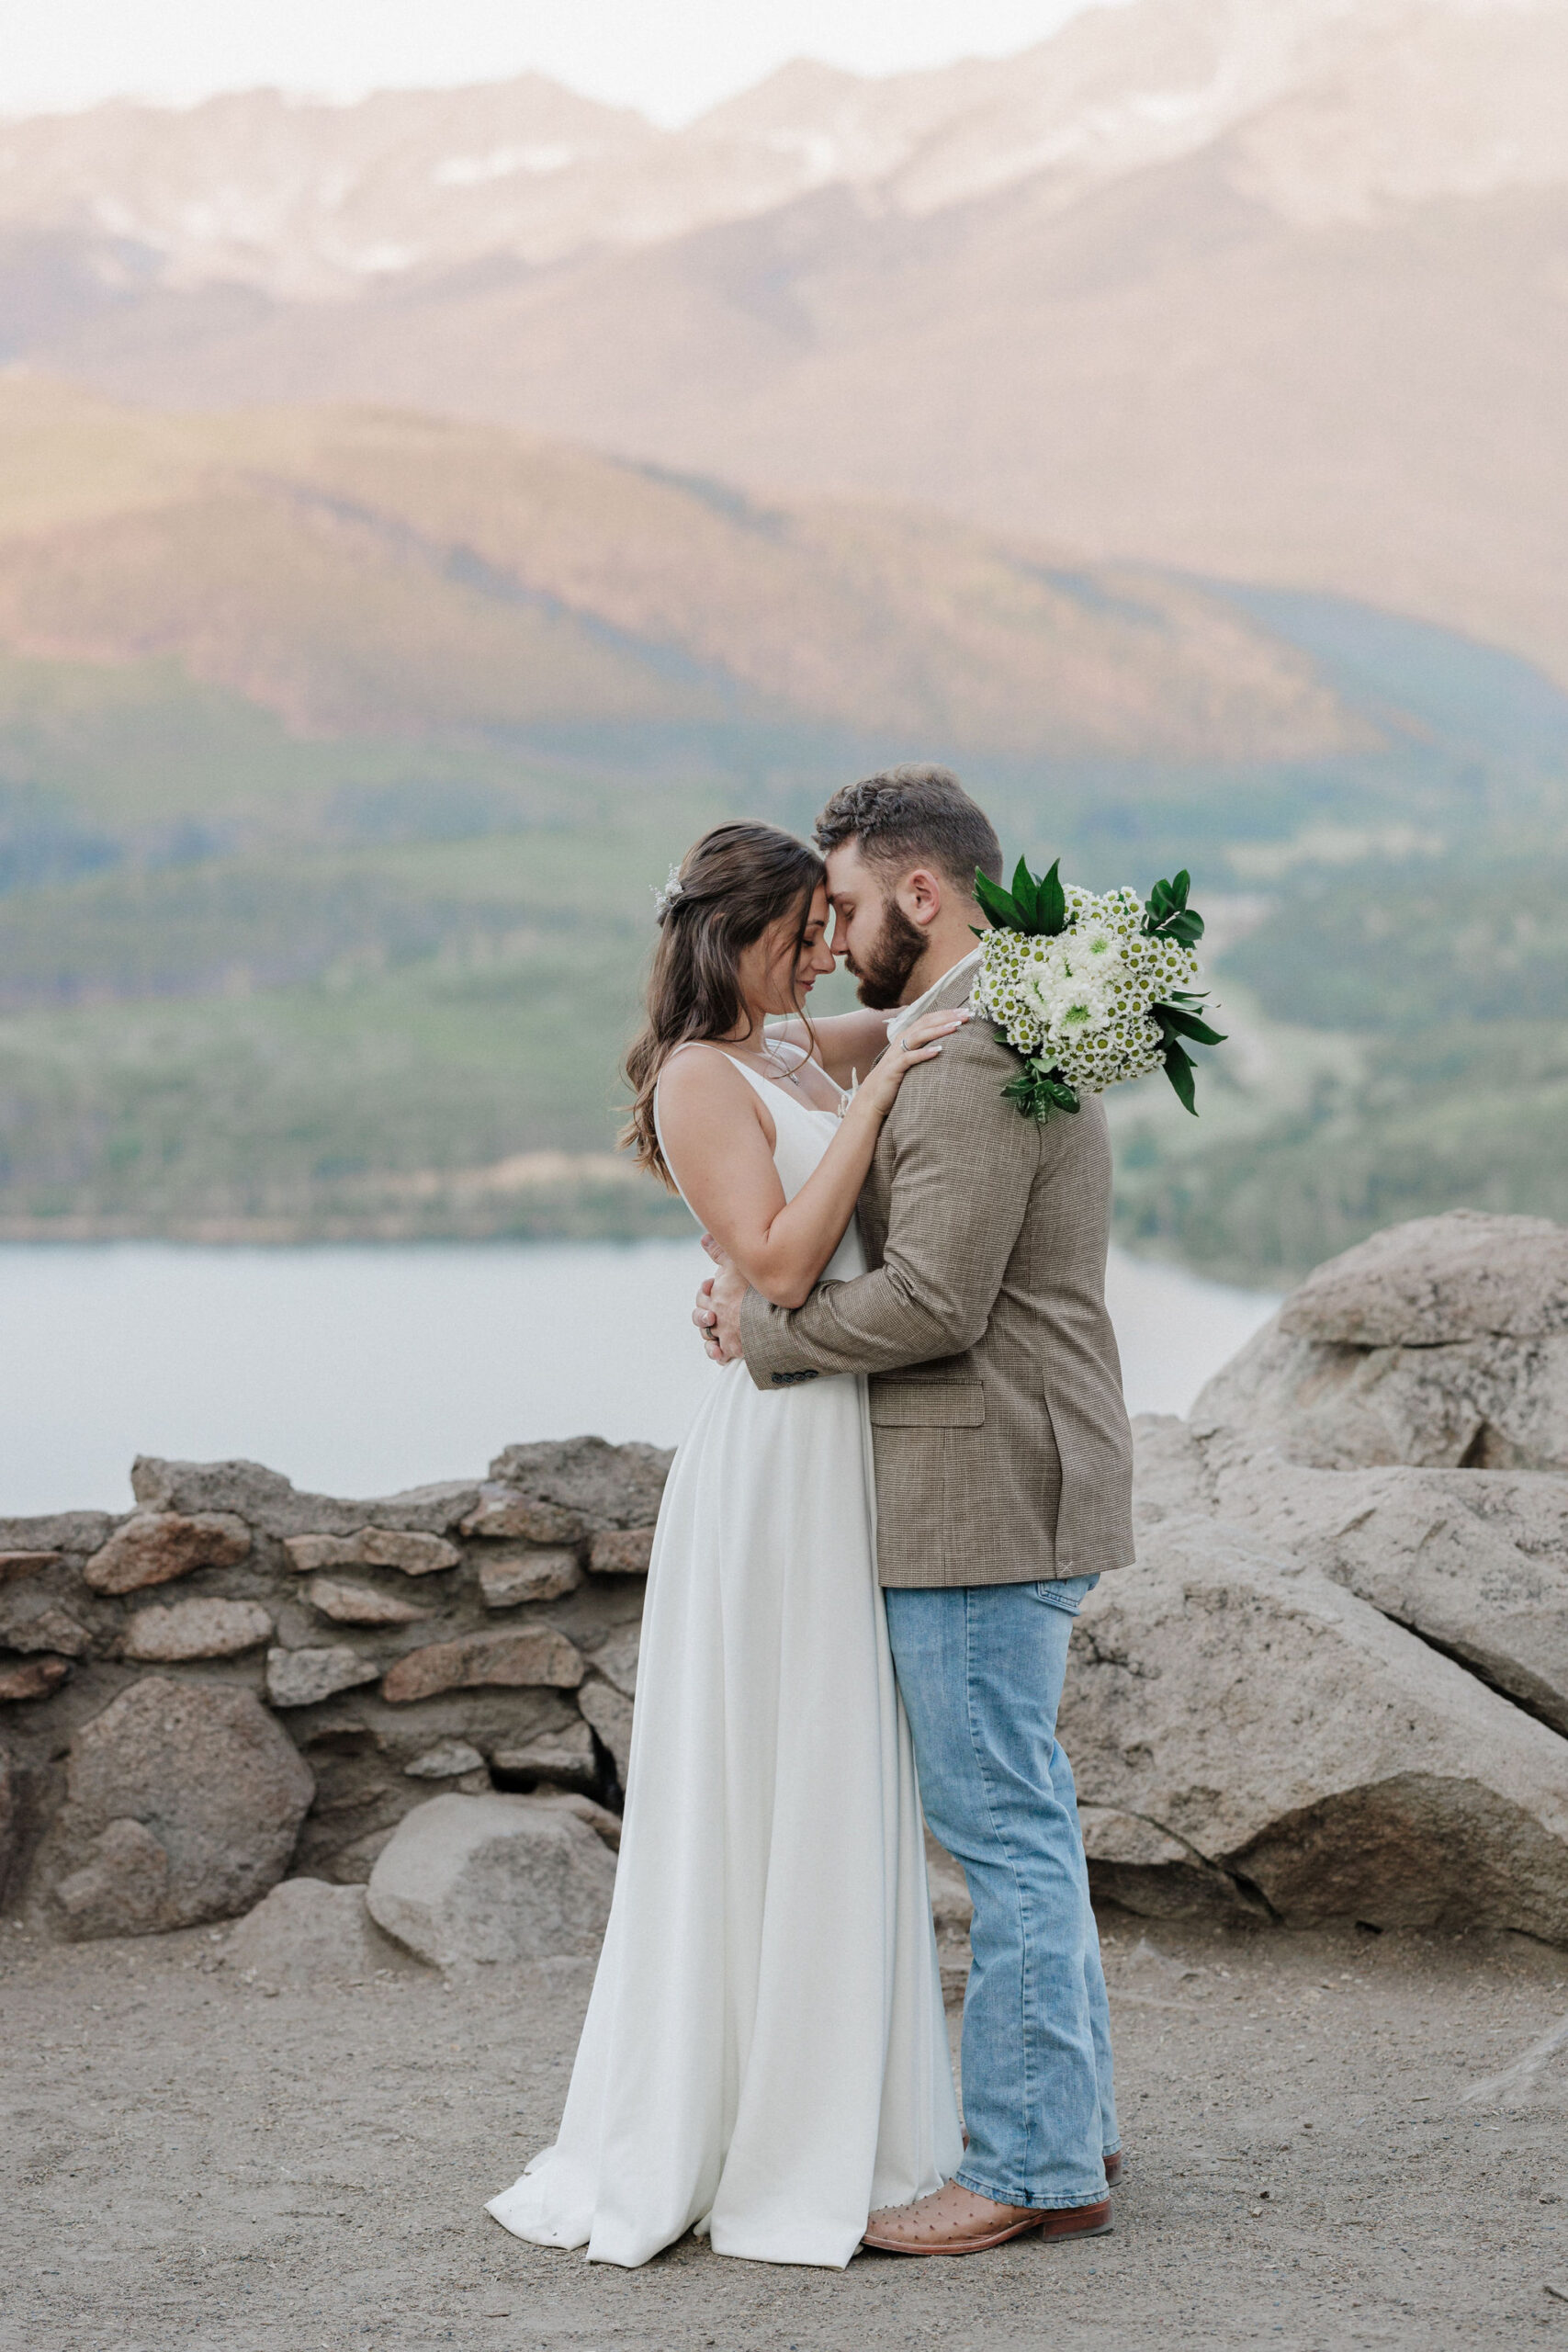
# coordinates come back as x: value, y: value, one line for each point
x: 188, y: 2161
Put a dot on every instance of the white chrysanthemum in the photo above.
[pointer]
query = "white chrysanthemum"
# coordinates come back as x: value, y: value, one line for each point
x: 1083, y: 999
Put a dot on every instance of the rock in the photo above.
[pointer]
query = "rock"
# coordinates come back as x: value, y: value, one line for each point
x: 1468, y: 1275
x: 308, y: 1931
x: 610, y: 1712
x: 501, y: 1513
x: 153, y: 1547
x: 515, y: 1576
x: 616, y: 1660
x: 7, y: 1821
x: 1479, y: 1380
x: 565, y: 1756
x: 1147, y: 1870
x: 605, y: 1824
x: 270, y: 1501
x: 123, y: 1890
x: 304, y: 1678
x: 56, y: 1532
x: 353, y: 1863
x: 1475, y: 1561
x: 537, y: 1654
x: 373, y: 1547
x: 1484, y: 1404
x: 360, y: 1604
x: 445, y: 1761
x: 610, y: 1486
x: 36, y: 1680
x: 950, y: 1914
x: 196, y: 1629
x: 1281, y: 1731
x: 16, y: 1565
x: 46, y: 1629
x: 183, y: 1800
x: 492, y: 1878
x: 622, y: 1552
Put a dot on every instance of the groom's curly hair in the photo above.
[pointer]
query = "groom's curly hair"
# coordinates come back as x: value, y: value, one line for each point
x: 910, y: 816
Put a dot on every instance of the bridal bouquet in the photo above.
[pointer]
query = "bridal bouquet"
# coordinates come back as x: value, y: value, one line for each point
x: 1090, y: 991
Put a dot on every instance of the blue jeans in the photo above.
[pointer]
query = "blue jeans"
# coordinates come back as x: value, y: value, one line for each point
x: 981, y: 1668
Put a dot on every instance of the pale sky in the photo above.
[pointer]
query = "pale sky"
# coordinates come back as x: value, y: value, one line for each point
x: 672, y: 58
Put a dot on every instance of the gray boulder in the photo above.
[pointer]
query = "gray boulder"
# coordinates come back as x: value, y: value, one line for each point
x: 271, y: 1502
x: 492, y: 1878
x: 1442, y: 1343
x: 7, y: 1821
x: 183, y: 1804
x: 38, y: 1540
x: 1277, y: 1731
x: 308, y: 1932
x: 304, y: 1678
x: 608, y: 1486
x: 194, y: 1629
x: 155, y: 1546
x: 1475, y: 1561
x: 567, y: 1758
x: 1438, y: 1281
x: 610, y: 1712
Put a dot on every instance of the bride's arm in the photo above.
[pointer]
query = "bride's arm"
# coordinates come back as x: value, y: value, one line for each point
x: 846, y: 1044
x: 719, y: 1136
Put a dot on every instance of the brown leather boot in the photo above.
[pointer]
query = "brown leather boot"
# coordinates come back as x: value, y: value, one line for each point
x: 957, y: 2221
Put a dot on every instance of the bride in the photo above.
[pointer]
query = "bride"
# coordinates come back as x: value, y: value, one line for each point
x: 764, y: 2056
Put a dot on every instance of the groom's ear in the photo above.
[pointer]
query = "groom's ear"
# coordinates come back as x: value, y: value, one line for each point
x: 921, y: 896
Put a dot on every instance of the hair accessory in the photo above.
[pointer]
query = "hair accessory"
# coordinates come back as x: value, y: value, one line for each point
x: 665, y: 896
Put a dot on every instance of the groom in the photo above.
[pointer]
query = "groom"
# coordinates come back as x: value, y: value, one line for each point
x: 1003, y: 1489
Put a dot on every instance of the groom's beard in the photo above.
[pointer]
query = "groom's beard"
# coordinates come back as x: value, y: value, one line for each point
x: 887, y: 964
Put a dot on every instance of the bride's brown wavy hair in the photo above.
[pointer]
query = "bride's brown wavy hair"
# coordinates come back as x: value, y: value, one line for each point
x: 734, y: 885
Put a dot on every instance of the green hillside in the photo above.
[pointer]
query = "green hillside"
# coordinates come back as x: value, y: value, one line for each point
x: 338, y: 755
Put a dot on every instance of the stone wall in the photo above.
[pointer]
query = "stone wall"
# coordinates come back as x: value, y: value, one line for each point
x: 1335, y: 1685
x: 235, y: 1680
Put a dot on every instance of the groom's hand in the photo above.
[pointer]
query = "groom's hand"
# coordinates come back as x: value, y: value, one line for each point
x: 717, y: 1314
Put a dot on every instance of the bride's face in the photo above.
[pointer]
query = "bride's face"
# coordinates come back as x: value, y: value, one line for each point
x: 779, y: 970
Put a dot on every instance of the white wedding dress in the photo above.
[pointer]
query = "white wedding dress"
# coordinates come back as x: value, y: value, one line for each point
x: 764, y: 2056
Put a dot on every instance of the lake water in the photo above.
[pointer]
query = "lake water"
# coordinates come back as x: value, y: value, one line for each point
x: 357, y: 1371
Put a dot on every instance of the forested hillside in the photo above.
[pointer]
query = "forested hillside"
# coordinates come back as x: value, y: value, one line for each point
x: 339, y: 752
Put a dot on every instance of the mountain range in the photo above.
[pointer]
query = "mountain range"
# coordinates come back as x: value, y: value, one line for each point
x: 1267, y: 289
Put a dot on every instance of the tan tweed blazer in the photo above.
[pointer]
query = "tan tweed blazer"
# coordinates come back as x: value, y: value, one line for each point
x: 1003, y: 1453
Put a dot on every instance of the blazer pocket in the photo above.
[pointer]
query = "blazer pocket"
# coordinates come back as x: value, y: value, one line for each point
x: 928, y: 1404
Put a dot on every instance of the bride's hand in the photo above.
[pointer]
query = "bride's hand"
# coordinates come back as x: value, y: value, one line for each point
x: 920, y: 1042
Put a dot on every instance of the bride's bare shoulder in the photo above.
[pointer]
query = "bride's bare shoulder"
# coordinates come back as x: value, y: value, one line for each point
x: 705, y: 1102
x: 699, y: 1077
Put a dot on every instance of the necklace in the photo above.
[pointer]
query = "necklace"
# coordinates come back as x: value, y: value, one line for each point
x: 787, y: 1073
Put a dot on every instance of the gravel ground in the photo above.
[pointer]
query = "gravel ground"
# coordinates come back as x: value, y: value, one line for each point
x: 1318, y: 2154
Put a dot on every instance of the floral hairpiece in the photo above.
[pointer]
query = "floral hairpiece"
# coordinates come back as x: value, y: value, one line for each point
x: 666, y: 894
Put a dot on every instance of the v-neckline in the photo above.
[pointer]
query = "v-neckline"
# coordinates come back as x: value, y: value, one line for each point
x: 780, y: 1086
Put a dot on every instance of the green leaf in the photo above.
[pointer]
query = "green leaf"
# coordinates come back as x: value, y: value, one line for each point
x: 999, y: 904
x: 1167, y: 915
x: 1179, y: 1069
x: 1026, y: 893
x: 1052, y: 909
x: 1038, y: 1091
x: 1187, y: 1025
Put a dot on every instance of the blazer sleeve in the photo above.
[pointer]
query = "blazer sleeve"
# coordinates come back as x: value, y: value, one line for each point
x: 965, y: 1164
